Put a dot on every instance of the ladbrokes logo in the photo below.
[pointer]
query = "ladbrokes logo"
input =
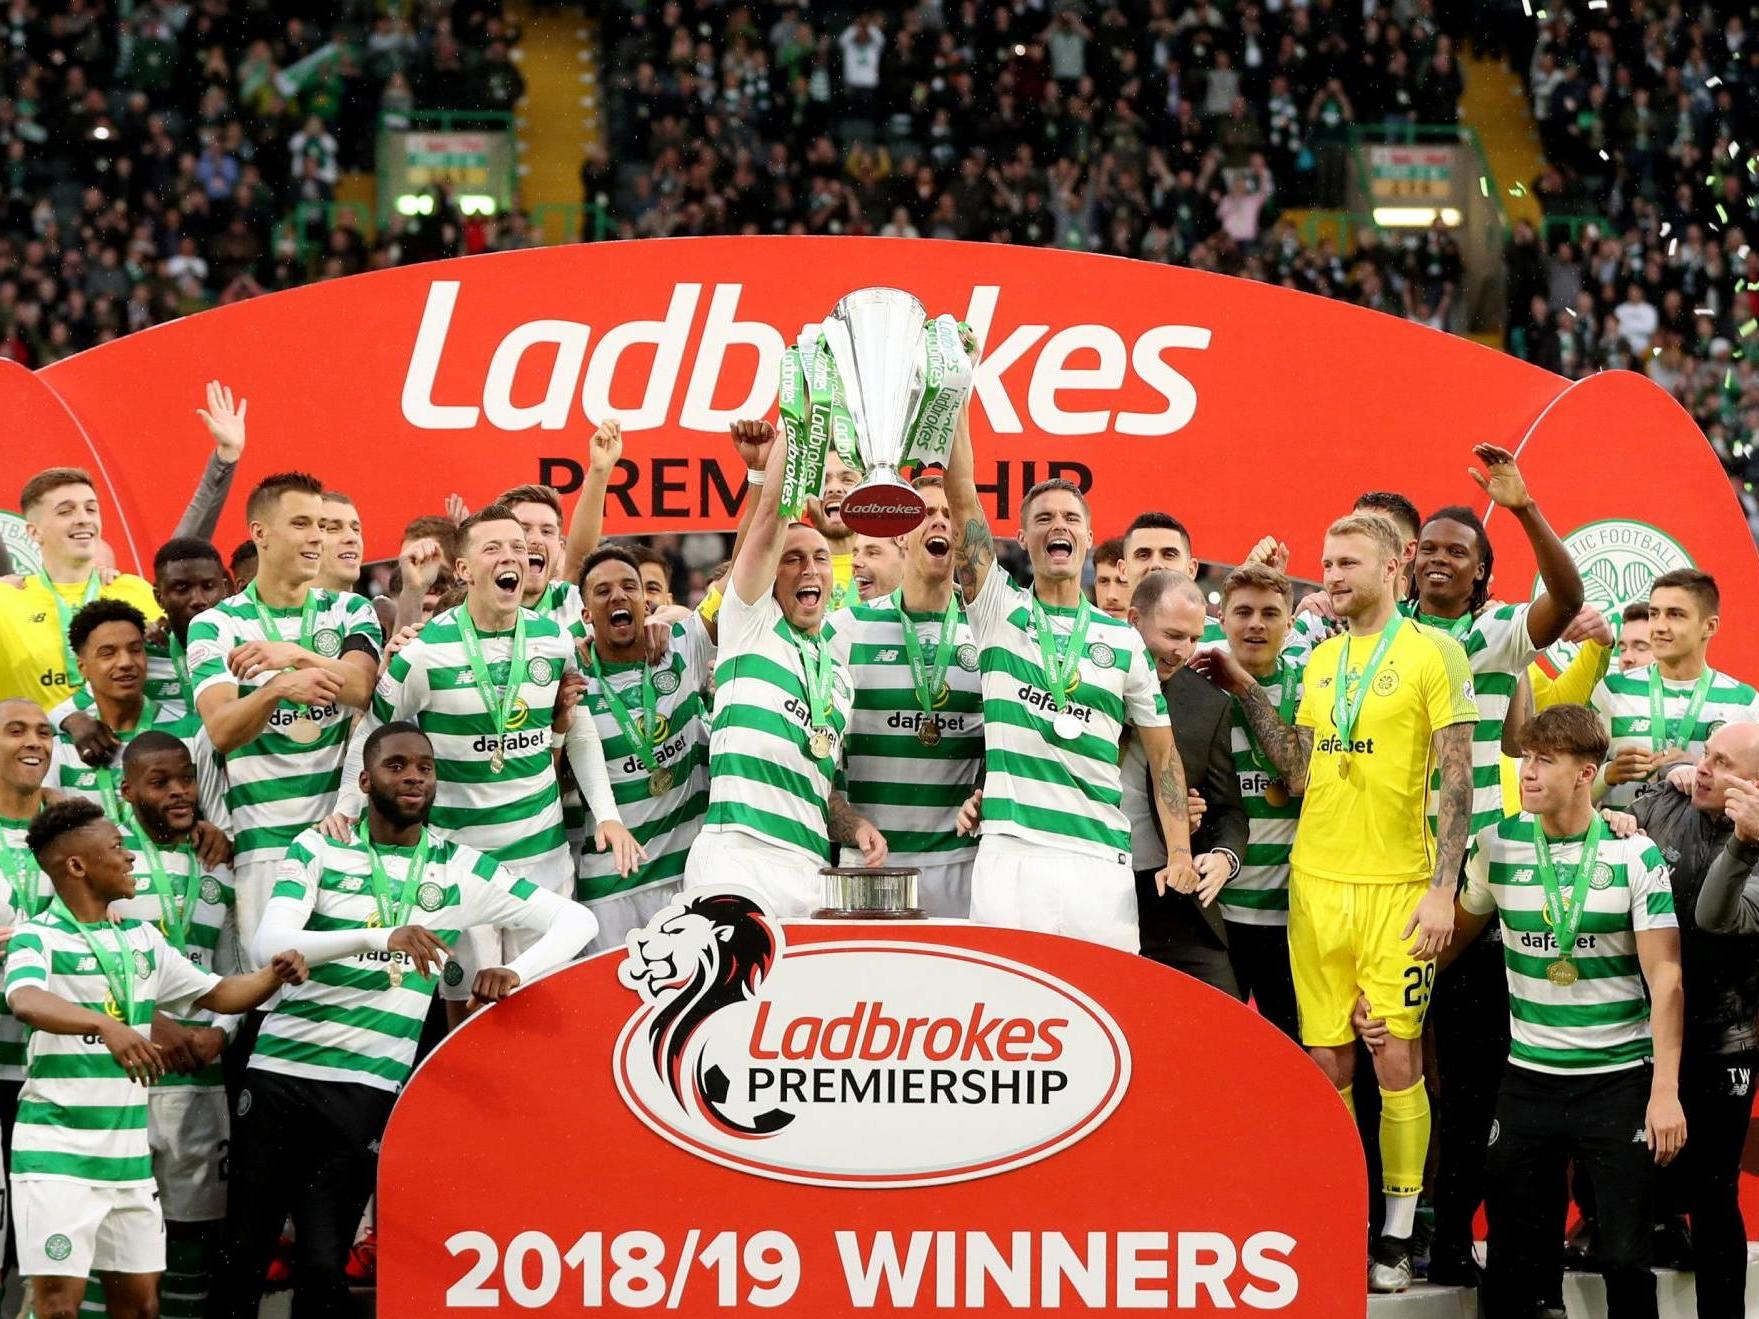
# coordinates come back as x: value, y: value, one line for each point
x: 870, y: 1064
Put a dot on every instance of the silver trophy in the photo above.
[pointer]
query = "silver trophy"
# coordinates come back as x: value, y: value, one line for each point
x: 904, y: 378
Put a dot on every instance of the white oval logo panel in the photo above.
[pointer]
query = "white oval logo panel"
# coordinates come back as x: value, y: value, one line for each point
x: 857, y: 1064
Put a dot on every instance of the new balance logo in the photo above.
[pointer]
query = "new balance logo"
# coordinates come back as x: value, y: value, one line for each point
x: 884, y: 656
x: 1641, y: 1138
x: 1740, y: 1081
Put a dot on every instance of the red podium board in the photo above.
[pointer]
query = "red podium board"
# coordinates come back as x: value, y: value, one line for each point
x: 830, y: 1118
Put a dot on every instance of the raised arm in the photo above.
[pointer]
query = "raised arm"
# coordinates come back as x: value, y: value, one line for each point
x: 753, y: 440
x: 1551, y: 612
x: 1728, y: 903
x: 225, y: 424
x: 754, y: 567
x: 586, y: 526
x: 974, y: 551
x: 1289, y: 746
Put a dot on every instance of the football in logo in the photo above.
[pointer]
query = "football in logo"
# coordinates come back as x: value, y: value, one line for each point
x: 870, y: 1064
x: 1618, y: 560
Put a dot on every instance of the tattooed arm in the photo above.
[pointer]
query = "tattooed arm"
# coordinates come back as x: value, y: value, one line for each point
x: 848, y: 828
x: 1289, y: 746
x: 974, y: 551
x: 1168, y: 774
x: 1433, y: 920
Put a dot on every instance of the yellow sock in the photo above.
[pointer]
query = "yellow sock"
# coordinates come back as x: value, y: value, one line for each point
x: 1348, y: 1095
x: 1404, y: 1139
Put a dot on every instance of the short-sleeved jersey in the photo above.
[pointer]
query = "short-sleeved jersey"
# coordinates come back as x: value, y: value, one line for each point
x: 1499, y: 648
x: 212, y: 941
x: 1600, y: 1023
x: 911, y: 792
x: 665, y: 825
x: 763, y: 779
x: 561, y: 602
x: 1372, y: 827
x: 1259, y: 894
x: 513, y: 813
x: 1622, y: 702
x: 80, y: 1117
x: 275, y: 786
x: 33, y: 650
x: 1066, y: 795
x: 17, y: 907
x: 348, y: 1022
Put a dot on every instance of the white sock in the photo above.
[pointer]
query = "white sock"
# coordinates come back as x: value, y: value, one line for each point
x: 1401, y: 1216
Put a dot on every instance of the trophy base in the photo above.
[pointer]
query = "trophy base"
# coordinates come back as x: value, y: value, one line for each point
x: 883, y: 505
x: 860, y: 893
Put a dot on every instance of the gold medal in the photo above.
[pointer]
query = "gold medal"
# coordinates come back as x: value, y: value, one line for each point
x: 304, y: 730
x: 660, y: 782
x: 928, y: 732
x: 374, y: 921
x: 819, y: 744
x: 498, y: 760
x: 394, y: 973
x: 112, y: 1008
x: 1276, y: 793
x: 1561, y: 973
x: 1343, y: 767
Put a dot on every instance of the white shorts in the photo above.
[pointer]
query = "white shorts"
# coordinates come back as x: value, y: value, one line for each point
x: 944, y: 890
x: 788, y: 881
x: 188, y: 1129
x: 73, y: 1229
x: 1027, y: 886
x: 619, y: 913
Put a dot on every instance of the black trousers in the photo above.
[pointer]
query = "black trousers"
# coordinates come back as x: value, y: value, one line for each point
x: 1716, y: 1090
x: 1175, y: 934
x: 1259, y: 955
x: 309, y: 1148
x: 1470, y: 1016
x: 1542, y: 1122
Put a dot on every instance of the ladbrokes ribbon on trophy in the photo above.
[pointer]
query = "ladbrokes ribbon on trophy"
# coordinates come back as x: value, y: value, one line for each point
x: 884, y: 384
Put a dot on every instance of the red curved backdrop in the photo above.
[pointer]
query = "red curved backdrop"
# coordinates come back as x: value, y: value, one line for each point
x: 1241, y: 407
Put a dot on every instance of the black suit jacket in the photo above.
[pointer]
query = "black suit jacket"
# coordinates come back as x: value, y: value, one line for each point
x: 1203, y: 722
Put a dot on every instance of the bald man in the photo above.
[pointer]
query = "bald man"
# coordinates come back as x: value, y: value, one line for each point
x: 1712, y: 828
x: 1185, y: 930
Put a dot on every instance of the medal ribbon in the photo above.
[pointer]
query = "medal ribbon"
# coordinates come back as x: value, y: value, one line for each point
x: 1662, y: 737
x: 498, y: 700
x: 24, y: 875
x: 308, y: 617
x: 1345, y: 711
x: 1457, y: 628
x: 1286, y: 681
x: 929, y: 683
x: 180, y: 662
x: 65, y: 612
x: 1564, y: 912
x: 116, y: 963
x: 175, y: 914
x: 816, y: 665
x: 1060, y: 659
x: 394, y: 915
x: 640, y: 735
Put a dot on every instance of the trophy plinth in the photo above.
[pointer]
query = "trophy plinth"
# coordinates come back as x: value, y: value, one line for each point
x: 870, y: 893
x: 883, y: 505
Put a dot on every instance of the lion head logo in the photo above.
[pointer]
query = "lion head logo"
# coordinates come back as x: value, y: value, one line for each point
x: 691, y: 961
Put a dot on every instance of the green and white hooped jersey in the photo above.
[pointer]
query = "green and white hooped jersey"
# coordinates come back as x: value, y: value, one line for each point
x: 1499, y: 648
x: 1622, y: 701
x: 1305, y: 633
x: 763, y: 780
x: 561, y: 601
x: 348, y: 1022
x: 212, y: 943
x: 69, y: 772
x: 513, y: 813
x: 1067, y: 796
x: 911, y: 792
x: 15, y: 909
x: 275, y: 786
x: 1600, y: 1023
x: 668, y: 824
x: 1259, y: 894
x: 80, y: 1117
